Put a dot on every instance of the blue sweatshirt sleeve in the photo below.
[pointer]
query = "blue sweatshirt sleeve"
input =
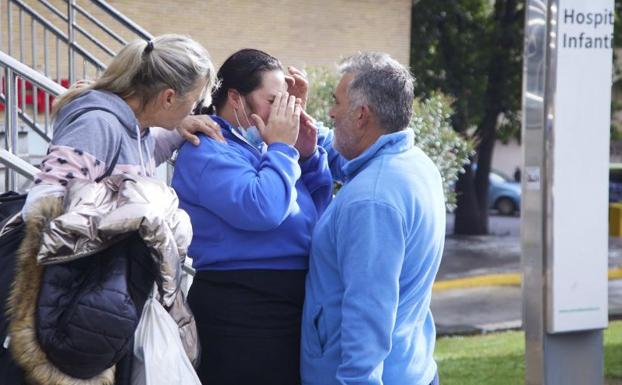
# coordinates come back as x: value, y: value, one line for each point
x: 230, y: 186
x: 370, y: 253
x: 335, y: 160
x: 317, y: 177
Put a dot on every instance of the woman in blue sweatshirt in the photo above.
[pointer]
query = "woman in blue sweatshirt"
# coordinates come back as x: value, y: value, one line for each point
x: 253, y: 202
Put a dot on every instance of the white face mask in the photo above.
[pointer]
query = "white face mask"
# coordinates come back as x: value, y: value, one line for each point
x: 251, y: 134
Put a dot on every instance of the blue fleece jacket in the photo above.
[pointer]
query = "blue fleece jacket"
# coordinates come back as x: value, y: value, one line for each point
x: 374, y: 256
x: 250, y: 210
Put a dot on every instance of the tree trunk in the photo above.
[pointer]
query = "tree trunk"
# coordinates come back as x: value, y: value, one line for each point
x: 472, y: 190
x: 469, y: 219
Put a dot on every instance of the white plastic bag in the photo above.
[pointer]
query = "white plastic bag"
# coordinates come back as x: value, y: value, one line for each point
x: 159, y: 356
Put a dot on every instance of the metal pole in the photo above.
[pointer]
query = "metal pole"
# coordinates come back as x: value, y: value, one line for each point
x: 57, y: 56
x: 1, y: 32
x: 35, y: 99
x: 532, y: 204
x: 21, y: 82
x: 71, y: 34
x: 9, y: 24
x: 46, y: 71
x: 10, y: 138
x: 574, y: 357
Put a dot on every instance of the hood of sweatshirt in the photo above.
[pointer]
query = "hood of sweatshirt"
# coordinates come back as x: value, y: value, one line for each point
x: 103, y: 101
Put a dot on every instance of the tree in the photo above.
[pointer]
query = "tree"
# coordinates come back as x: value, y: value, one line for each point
x: 472, y: 51
x: 431, y: 122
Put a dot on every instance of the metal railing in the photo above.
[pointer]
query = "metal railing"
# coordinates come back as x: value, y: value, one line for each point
x: 81, y: 35
x: 63, y: 42
x: 14, y: 72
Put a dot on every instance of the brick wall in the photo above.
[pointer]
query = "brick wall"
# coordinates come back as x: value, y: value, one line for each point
x: 300, y: 33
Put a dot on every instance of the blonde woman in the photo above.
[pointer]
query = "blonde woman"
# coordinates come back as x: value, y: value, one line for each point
x: 147, y: 92
x: 104, y: 128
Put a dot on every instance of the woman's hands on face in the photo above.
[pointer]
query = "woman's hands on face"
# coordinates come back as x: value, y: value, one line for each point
x: 284, y: 120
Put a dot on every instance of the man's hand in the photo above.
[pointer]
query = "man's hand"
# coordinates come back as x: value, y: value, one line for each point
x: 194, y: 124
x: 297, y: 84
x: 307, y: 136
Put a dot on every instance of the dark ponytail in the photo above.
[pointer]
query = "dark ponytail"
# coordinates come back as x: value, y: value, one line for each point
x: 243, y: 72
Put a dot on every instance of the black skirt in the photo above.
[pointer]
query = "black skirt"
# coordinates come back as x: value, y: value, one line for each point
x: 249, y: 326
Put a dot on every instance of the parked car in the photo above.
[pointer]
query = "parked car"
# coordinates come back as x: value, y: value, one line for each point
x: 615, y: 182
x: 503, y: 194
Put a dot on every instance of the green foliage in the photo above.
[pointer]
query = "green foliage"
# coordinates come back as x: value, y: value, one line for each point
x: 431, y: 122
x: 454, y: 45
x: 498, y: 358
x: 322, y: 84
x: 445, y: 54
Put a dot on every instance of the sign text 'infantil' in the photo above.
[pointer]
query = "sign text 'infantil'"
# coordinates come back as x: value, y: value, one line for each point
x: 591, y: 35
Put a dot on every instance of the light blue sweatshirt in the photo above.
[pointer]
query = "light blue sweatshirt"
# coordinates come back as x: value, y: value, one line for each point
x: 375, y: 253
x: 250, y: 210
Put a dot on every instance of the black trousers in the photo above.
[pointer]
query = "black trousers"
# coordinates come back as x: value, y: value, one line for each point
x: 249, y: 326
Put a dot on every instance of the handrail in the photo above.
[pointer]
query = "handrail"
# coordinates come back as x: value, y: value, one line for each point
x: 29, y: 122
x: 101, y: 25
x: 74, y: 46
x: 188, y: 267
x: 121, y: 18
x: 31, y: 75
x: 18, y: 164
x: 54, y: 10
x: 94, y: 40
x: 14, y: 69
x: 91, y: 59
x: 58, y: 33
x: 35, y: 15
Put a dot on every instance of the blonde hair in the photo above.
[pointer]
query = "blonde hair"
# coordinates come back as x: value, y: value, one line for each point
x: 144, y: 69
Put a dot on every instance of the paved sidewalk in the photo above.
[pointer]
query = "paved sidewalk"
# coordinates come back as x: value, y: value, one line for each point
x: 486, y: 309
x: 478, y: 284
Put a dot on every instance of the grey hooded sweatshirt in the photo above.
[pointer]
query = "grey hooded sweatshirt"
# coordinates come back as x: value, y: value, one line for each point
x: 88, y: 132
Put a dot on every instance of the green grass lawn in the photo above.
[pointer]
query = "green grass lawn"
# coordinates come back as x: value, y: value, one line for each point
x: 498, y: 359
